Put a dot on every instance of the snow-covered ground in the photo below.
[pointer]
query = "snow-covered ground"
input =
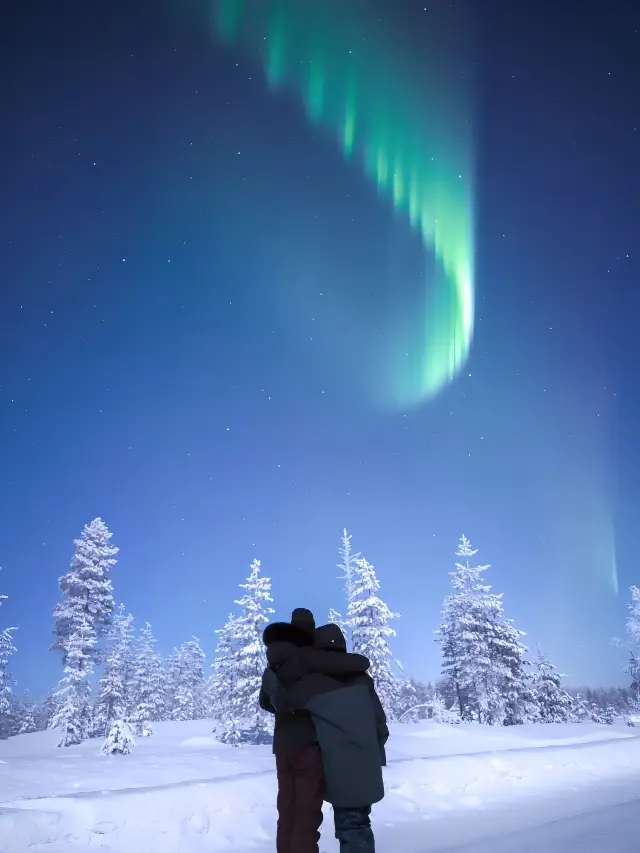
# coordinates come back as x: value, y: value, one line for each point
x: 182, y: 792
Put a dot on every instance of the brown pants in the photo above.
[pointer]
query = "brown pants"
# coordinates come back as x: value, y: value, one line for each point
x: 300, y: 790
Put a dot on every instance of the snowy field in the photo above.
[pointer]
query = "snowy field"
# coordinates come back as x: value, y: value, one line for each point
x: 181, y: 792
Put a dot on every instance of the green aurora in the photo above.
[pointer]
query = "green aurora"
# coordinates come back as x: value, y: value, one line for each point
x: 358, y: 82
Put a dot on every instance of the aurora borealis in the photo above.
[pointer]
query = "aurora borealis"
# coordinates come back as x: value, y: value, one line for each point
x: 352, y: 77
x: 229, y: 322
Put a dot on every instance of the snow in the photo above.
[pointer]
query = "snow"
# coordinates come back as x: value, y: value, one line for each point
x: 180, y: 791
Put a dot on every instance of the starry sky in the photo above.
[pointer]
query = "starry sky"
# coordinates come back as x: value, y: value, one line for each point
x: 175, y: 238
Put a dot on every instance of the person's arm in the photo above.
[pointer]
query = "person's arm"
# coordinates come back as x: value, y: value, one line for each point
x: 382, y: 729
x: 265, y: 704
x: 333, y: 664
x: 269, y: 691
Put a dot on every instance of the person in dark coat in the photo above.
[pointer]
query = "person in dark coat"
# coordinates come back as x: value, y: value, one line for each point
x: 350, y: 724
x: 295, y: 746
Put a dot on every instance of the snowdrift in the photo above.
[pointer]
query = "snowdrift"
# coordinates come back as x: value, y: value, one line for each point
x: 181, y: 791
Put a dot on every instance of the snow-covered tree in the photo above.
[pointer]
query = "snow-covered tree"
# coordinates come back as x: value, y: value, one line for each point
x: 581, y: 709
x: 47, y: 711
x: 440, y: 713
x: 348, y: 568
x: 80, y: 620
x: 632, y: 669
x: 369, y: 619
x: 483, y: 656
x: 514, y: 683
x: 87, y: 591
x: 241, y: 719
x: 553, y: 704
x: 113, y: 700
x: 413, y: 701
x: 148, y: 684
x: 633, y: 618
x: 25, y: 722
x: 336, y: 618
x: 221, y: 683
x: 632, y: 628
x: 6, y: 650
x: 119, y: 740
x: 73, y: 710
x: 187, y: 682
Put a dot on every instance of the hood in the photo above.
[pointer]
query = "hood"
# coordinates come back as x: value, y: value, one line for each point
x: 330, y: 637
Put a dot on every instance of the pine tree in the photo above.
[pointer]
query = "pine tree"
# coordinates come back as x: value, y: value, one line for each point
x: 148, y: 685
x: 113, y: 699
x: 348, y: 568
x: 47, y: 711
x: 514, y: 681
x: 369, y: 620
x: 413, y: 701
x: 632, y: 628
x: 187, y: 682
x: 221, y: 684
x: 80, y: 620
x: 483, y: 657
x: 242, y: 720
x: 554, y: 705
x: 336, y: 618
x: 632, y: 669
x: 119, y: 740
x: 26, y: 715
x: 72, y: 696
x: 173, y: 675
x: 440, y: 713
x: 6, y: 650
x: 633, y: 619
x: 581, y: 710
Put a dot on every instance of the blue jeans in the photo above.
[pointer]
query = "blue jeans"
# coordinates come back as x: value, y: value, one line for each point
x: 353, y: 830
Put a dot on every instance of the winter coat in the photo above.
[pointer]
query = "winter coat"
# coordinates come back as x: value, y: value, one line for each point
x: 293, y: 730
x: 349, y: 721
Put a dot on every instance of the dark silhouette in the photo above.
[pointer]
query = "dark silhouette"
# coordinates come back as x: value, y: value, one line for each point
x: 329, y: 689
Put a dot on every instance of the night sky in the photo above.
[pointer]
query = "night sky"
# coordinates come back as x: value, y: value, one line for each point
x: 177, y: 241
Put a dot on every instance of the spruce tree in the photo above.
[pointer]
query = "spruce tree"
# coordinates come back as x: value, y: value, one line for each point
x: 80, y: 620
x: 336, y: 618
x: 119, y: 740
x: 6, y: 693
x: 113, y: 700
x: 221, y: 685
x: 242, y: 720
x: 580, y: 710
x: 348, y: 568
x: 369, y: 619
x: 73, y: 710
x: 188, y: 682
x: 508, y: 651
x: 25, y: 722
x: 413, y: 701
x: 483, y: 657
x: 553, y: 704
x: 632, y: 628
x: 148, y: 684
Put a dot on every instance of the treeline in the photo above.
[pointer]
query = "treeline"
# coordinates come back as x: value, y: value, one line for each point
x: 114, y: 679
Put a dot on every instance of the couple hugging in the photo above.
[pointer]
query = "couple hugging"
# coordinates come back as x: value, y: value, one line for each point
x: 329, y: 737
